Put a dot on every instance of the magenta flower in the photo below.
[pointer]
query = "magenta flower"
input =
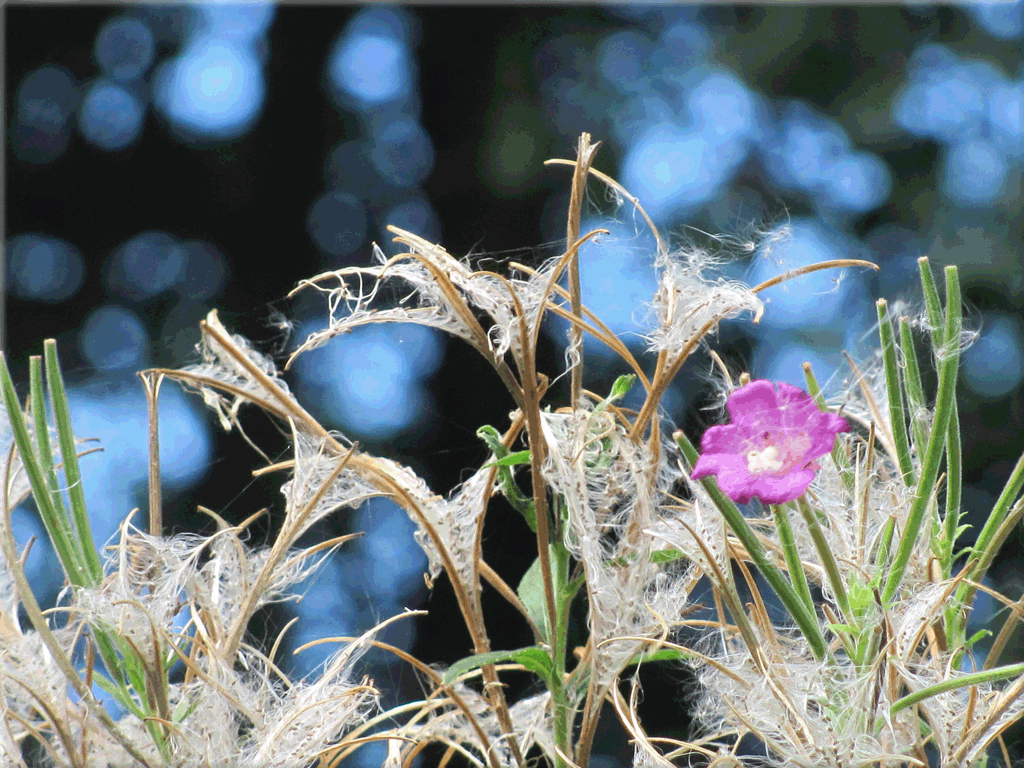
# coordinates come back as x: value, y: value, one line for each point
x: 769, y: 449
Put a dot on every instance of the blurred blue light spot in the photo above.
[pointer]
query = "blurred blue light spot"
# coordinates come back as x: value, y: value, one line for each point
x: 671, y: 170
x: 212, y: 89
x: 684, y: 43
x: 113, y: 337
x: 392, y: 563
x: 414, y: 214
x: 858, y: 182
x: 816, y: 300
x: 124, y: 48
x: 896, y: 250
x: 369, y: 380
x: 778, y: 358
x: 976, y: 173
x: 944, y: 98
x: 806, y: 148
x: 621, y: 58
x: 994, y: 365
x: 349, y: 167
x: 111, y: 117
x: 402, y: 153
x: 1006, y: 110
x: 326, y: 609
x: 43, y: 268
x: 1003, y: 19
x: 337, y: 223
x: 206, y: 271
x: 371, y: 68
x: 46, y: 99
x: 390, y: 21
x: 237, y: 23
x: 722, y: 109
x: 617, y: 281
x: 635, y: 114
x: 811, y: 153
x: 148, y: 264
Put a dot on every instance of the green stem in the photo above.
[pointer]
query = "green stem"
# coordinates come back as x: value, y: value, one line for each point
x: 805, y: 619
x: 559, y: 640
x: 948, y: 366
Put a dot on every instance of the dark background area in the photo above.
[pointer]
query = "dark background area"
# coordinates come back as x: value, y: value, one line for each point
x: 251, y: 197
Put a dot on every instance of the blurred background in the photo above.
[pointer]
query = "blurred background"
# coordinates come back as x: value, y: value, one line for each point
x: 161, y: 161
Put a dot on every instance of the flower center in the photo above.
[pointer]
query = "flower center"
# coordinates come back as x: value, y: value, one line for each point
x: 778, y: 453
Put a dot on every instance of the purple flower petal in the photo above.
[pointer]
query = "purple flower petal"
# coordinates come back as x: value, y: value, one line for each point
x: 769, y: 450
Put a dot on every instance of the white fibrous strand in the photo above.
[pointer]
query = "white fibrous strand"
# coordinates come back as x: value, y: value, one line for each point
x: 454, y: 727
x: 351, y: 302
x: 317, y: 487
x: 532, y: 719
x: 613, y: 491
x: 447, y: 293
x: 685, y: 302
x: 308, y: 718
x: 222, y: 366
x: 809, y: 713
x: 441, y: 524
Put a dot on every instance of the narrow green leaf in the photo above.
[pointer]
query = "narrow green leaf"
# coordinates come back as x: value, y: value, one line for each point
x: 894, y: 390
x: 963, y: 681
x: 913, y: 386
x: 519, y: 501
x: 54, y: 522
x: 43, y: 450
x: 183, y: 708
x: 993, y: 533
x: 954, y: 489
x: 932, y: 304
x: 519, y: 457
x: 839, y: 457
x: 69, y: 453
x: 949, y: 358
x: 533, y: 658
x: 119, y: 694
x: 621, y: 386
x: 663, y: 654
x: 666, y: 556
x: 792, y: 554
x: 828, y: 560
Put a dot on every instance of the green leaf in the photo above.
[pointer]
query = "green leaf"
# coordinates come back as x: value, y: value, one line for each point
x: 519, y: 457
x: 531, y: 593
x: 57, y: 526
x: 503, y: 459
x: 666, y: 556
x: 621, y: 386
x: 948, y: 360
x: 664, y: 654
x: 534, y: 658
x: 92, y: 564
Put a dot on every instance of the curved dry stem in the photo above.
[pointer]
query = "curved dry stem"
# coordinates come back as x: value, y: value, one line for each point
x: 429, y: 672
x: 662, y: 377
x: 585, y: 154
x: 474, y: 621
x: 834, y: 263
x: 282, y: 544
x: 622, y: 191
x: 556, y: 273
